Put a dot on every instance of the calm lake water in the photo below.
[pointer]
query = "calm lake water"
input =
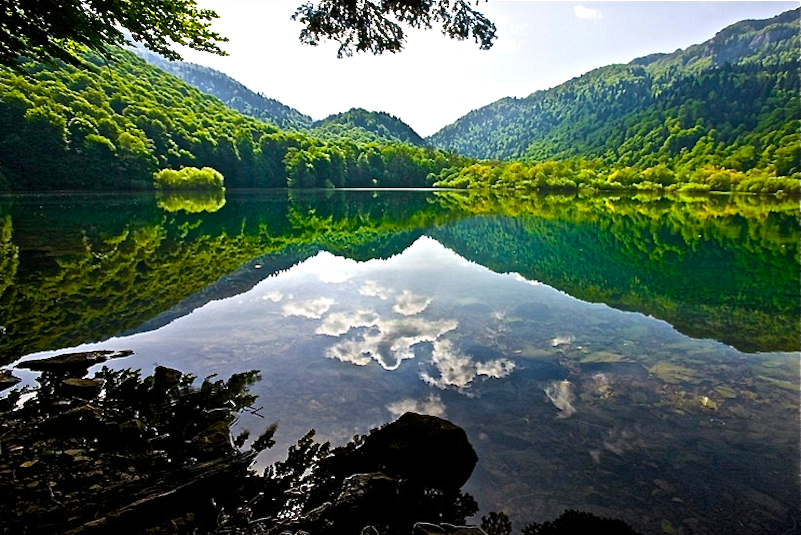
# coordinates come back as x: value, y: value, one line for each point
x: 636, y: 358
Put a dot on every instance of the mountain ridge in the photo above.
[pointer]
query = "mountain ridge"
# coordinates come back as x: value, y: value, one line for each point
x: 231, y: 92
x: 596, y: 114
x: 382, y: 125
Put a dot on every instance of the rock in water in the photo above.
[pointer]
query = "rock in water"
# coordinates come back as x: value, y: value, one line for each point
x: 426, y: 449
x: 72, y: 362
x: 7, y: 379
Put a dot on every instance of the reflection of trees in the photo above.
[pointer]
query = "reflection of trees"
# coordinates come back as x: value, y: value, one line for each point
x: 9, y: 255
x: 720, y: 268
x: 192, y: 202
x: 710, y: 266
x: 116, y: 265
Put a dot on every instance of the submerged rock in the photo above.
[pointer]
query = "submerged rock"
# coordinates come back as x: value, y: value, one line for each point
x: 7, y: 380
x: 72, y: 362
x: 427, y: 449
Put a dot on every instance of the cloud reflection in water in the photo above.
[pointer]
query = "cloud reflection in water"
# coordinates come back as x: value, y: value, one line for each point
x: 388, y: 342
x: 458, y: 370
x: 432, y: 406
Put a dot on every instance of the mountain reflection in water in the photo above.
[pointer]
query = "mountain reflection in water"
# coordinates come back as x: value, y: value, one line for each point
x: 681, y: 414
x: 568, y: 403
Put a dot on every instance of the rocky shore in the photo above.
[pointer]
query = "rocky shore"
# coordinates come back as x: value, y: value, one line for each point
x: 122, y: 453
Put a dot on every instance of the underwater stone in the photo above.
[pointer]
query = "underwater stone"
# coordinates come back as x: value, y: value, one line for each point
x: 72, y: 362
x: 165, y: 378
x: 7, y: 380
x: 425, y: 449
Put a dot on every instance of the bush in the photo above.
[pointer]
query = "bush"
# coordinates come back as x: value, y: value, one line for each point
x: 188, y: 178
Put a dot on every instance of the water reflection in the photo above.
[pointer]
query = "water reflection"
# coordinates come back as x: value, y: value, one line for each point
x: 569, y: 403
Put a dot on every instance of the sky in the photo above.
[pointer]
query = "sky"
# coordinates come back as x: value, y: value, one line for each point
x: 436, y: 80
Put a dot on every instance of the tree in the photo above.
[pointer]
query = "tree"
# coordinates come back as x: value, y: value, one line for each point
x: 51, y: 29
x: 56, y: 29
x: 365, y: 25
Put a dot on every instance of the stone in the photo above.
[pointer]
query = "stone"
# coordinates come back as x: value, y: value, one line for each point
x: 165, y: 378
x: 7, y: 380
x: 425, y: 449
x: 72, y: 362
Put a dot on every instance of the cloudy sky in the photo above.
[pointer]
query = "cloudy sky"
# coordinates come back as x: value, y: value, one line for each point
x: 435, y: 80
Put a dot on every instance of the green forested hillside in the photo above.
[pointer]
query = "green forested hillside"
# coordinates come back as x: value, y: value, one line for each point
x: 371, y: 125
x: 231, y: 92
x: 356, y: 124
x: 732, y: 102
x: 115, y: 125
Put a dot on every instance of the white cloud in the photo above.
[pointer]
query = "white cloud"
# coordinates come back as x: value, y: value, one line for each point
x: 335, y: 277
x: 410, y: 304
x: 313, y: 309
x: 273, y: 296
x: 561, y: 395
x: 458, y: 370
x: 371, y: 288
x: 339, y: 323
x: 389, y: 342
x: 562, y: 341
x: 432, y: 406
x: 587, y: 13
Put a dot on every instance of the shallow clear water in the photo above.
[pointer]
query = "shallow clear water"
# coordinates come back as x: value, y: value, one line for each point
x: 569, y: 403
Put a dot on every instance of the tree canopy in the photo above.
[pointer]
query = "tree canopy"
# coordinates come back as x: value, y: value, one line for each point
x: 364, y: 25
x: 51, y: 29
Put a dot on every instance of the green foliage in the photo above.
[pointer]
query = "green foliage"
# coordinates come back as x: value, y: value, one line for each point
x: 376, y: 126
x: 188, y: 178
x: 231, y: 92
x: 113, y: 127
x: 369, y: 26
x: 51, y: 29
x: 668, y: 257
x: 192, y: 201
x: 577, y: 174
x: 732, y: 103
x: 123, y: 261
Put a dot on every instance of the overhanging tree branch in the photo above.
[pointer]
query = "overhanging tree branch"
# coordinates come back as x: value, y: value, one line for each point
x: 44, y: 30
x: 364, y: 25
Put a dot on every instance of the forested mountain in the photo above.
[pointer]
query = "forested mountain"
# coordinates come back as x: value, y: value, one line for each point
x: 117, y: 124
x: 372, y: 125
x: 231, y: 92
x: 356, y: 124
x: 732, y: 101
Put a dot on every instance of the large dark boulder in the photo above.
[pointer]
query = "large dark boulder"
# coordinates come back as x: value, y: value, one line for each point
x: 420, y: 448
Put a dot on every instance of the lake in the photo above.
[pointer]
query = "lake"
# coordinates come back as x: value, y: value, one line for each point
x: 637, y: 358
